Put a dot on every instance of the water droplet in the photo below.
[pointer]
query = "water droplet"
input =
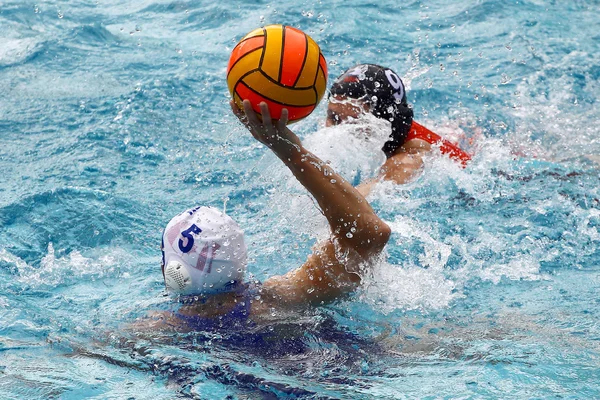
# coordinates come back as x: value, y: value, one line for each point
x: 349, y: 235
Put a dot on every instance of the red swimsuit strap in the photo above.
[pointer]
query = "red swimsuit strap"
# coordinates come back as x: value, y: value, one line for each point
x: 418, y: 131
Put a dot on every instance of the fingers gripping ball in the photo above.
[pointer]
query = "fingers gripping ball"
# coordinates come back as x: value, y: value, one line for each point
x: 280, y: 65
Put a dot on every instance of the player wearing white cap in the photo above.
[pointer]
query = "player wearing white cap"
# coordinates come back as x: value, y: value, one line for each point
x: 204, y: 255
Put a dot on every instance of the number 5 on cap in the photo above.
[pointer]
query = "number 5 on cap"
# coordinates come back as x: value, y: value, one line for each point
x: 187, y: 234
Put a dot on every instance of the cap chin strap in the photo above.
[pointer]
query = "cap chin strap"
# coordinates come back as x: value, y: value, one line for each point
x: 177, y: 278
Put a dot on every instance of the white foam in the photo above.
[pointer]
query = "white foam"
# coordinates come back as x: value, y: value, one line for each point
x: 427, y: 282
x: 394, y: 287
x: 14, y: 51
x: 352, y: 149
x: 407, y: 287
x: 554, y: 121
x: 68, y: 269
x: 522, y: 268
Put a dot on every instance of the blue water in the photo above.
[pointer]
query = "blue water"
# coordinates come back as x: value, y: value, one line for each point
x: 114, y: 117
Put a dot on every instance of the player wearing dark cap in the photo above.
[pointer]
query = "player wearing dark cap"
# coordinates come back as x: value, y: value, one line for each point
x: 370, y: 88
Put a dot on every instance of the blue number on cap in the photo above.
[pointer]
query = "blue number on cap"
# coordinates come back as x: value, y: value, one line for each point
x: 190, y: 239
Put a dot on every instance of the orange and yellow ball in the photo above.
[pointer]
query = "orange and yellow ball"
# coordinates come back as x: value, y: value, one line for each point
x: 281, y: 66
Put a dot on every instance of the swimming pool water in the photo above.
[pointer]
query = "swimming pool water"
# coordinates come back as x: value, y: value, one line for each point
x: 114, y: 117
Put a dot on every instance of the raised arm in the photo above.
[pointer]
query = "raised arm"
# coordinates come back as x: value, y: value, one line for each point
x: 357, y: 234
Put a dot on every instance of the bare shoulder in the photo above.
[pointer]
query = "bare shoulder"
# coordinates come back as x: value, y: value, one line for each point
x: 415, y: 146
x: 405, y: 165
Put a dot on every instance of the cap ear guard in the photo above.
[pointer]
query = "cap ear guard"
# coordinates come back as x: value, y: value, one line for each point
x: 177, y: 278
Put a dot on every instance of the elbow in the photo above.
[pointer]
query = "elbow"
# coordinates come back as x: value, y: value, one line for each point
x: 378, y: 236
x: 369, y: 238
x: 386, y: 231
x: 383, y: 233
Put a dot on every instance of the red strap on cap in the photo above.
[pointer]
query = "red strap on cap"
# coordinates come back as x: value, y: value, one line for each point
x: 418, y: 131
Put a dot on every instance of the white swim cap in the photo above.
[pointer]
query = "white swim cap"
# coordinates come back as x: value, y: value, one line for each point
x: 203, y: 253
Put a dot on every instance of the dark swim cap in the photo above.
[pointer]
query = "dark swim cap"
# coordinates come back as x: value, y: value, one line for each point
x: 383, y: 90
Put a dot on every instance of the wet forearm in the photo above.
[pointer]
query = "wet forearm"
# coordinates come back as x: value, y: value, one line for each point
x: 335, y: 196
x: 350, y: 216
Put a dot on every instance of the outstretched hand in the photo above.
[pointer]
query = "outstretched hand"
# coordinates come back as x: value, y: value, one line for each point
x: 273, y: 134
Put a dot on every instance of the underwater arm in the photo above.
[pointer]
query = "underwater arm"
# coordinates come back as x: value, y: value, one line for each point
x: 357, y: 233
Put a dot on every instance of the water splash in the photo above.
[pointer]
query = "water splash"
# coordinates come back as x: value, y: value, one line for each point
x: 352, y: 149
x: 69, y: 269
